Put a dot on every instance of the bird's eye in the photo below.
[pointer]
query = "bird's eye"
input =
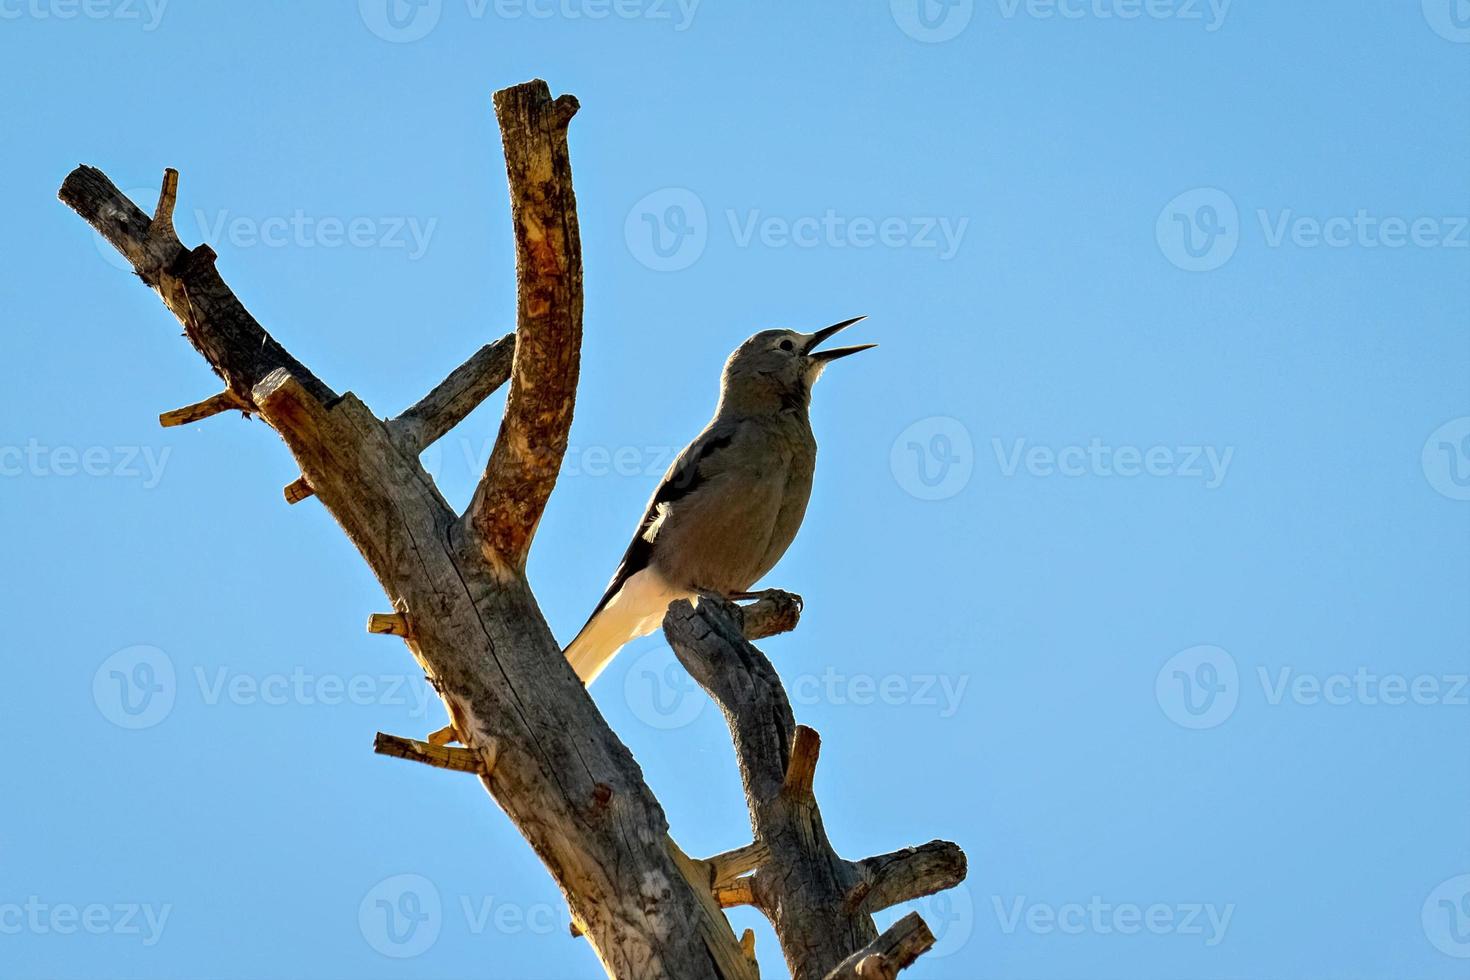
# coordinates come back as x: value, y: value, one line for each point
x: 787, y: 345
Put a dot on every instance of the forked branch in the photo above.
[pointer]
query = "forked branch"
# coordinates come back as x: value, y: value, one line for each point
x: 820, y: 905
x: 457, y: 395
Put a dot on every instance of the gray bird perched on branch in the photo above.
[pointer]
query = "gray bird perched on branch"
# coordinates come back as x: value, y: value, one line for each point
x: 732, y: 501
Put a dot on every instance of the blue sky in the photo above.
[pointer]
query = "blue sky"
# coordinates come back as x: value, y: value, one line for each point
x: 1136, y: 562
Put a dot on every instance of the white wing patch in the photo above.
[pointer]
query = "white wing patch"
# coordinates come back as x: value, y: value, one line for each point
x: 660, y: 514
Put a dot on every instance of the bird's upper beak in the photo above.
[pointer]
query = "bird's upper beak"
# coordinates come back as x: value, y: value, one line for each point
x: 826, y: 356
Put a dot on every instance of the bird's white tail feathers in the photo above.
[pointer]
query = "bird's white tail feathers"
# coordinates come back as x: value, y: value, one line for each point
x: 637, y: 609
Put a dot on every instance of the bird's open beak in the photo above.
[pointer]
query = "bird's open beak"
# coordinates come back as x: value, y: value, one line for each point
x: 825, y: 356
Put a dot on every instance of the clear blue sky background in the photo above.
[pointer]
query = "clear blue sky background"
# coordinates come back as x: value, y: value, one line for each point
x: 998, y: 649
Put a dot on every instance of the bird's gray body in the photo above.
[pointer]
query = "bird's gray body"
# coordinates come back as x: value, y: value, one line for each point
x: 755, y: 478
x: 731, y: 503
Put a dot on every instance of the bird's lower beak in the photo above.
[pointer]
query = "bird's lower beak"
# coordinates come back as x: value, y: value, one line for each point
x: 825, y: 356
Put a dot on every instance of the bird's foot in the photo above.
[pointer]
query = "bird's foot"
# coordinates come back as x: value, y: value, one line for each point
x: 775, y: 595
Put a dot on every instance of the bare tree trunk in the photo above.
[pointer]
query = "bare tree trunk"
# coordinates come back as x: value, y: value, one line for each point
x: 463, y: 607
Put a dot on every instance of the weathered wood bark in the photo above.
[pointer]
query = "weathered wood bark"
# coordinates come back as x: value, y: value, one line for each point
x: 457, y: 395
x: 522, y: 468
x: 820, y: 905
x: 898, y: 947
x: 462, y: 604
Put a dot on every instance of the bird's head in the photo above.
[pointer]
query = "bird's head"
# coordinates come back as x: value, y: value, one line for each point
x: 775, y: 370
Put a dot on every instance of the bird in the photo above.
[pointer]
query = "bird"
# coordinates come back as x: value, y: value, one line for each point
x: 732, y: 500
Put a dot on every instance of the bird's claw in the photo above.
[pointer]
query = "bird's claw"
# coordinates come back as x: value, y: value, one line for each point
x: 776, y: 595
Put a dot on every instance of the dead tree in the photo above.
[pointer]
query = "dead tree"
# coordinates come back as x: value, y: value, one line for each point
x: 462, y: 605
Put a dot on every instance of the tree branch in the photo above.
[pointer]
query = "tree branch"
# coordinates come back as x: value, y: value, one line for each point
x: 457, y: 395
x: 726, y: 867
x: 213, y: 405
x: 216, y: 323
x: 528, y: 452
x: 819, y: 904
x: 440, y: 756
x: 902, y: 876
x: 902, y: 943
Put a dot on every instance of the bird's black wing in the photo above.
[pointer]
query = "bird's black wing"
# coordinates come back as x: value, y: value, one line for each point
x: 688, y: 472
